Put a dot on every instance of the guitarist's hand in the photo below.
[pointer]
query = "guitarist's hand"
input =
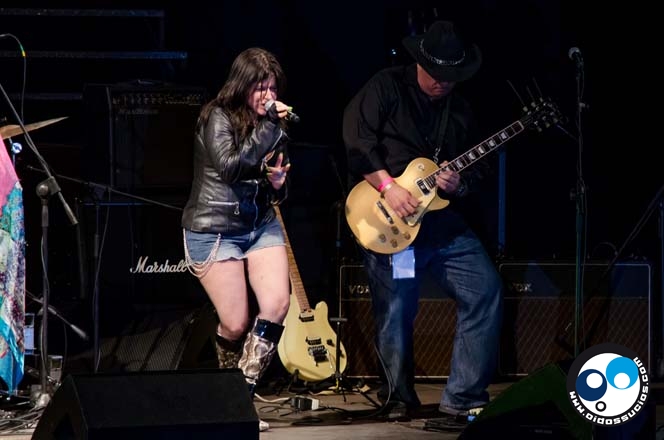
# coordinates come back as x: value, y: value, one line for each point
x: 448, y: 180
x: 400, y: 200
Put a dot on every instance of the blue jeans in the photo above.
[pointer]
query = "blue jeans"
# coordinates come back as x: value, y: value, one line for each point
x: 200, y: 244
x: 464, y: 270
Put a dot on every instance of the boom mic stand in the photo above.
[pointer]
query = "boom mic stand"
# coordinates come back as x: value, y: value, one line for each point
x: 53, y: 311
x: 657, y: 203
x: 45, y: 190
x: 579, y: 196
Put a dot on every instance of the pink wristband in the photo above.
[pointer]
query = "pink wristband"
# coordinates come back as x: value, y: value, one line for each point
x: 384, y: 183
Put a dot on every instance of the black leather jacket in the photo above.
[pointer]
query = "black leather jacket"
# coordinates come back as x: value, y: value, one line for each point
x: 230, y: 193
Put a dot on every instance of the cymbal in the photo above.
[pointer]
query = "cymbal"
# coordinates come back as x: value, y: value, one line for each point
x: 8, y: 131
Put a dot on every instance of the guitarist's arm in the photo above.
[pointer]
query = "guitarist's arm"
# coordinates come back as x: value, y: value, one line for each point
x: 379, y: 179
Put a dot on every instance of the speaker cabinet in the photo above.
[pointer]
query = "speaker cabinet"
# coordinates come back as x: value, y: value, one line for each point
x: 433, y: 333
x: 539, y: 317
x: 202, y: 404
x: 135, y: 253
x: 140, y: 134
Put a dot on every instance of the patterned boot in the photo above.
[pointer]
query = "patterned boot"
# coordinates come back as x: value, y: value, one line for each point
x: 257, y: 353
x: 228, y: 352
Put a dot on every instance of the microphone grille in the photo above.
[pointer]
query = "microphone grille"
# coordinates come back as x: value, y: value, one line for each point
x: 572, y: 51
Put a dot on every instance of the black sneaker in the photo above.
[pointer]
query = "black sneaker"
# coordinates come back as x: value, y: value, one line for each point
x: 394, y: 411
x: 449, y: 423
x: 461, y: 414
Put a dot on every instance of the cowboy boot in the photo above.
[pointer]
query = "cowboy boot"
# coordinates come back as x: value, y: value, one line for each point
x: 228, y: 352
x: 257, y: 353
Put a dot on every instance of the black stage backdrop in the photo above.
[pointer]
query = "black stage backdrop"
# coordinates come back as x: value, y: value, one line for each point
x: 328, y: 51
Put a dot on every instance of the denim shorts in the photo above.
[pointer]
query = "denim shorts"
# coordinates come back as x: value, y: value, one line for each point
x: 201, y: 244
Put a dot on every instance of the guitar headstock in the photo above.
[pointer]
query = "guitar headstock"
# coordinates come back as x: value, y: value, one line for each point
x: 542, y: 113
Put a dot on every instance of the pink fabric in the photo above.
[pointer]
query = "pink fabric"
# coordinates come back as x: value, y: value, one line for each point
x: 12, y: 274
x: 8, y: 175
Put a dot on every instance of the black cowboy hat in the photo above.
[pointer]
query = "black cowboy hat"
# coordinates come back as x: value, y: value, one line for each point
x: 442, y: 54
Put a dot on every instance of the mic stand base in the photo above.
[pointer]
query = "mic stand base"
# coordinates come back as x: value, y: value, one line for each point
x: 40, y: 399
x: 341, y: 382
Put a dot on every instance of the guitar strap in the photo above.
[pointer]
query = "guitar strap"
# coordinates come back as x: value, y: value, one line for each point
x: 441, y: 129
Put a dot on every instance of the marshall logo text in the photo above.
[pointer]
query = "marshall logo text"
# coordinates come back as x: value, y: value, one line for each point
x: 144, y: 267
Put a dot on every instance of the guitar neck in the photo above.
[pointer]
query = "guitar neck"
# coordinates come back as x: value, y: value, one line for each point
x: 478, y: 151
x: 295, y: 278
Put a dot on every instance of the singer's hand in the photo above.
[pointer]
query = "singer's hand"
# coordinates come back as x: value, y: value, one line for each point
x: 278, y: 109
x: 277, y: 174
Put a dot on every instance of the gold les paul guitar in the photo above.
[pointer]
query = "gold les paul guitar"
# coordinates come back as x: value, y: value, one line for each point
x: 308, y: 344
x: 378, y: 228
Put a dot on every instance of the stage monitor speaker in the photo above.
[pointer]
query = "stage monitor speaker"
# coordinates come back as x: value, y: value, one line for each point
x: 433, y: 334
x: 539, y: 316
x: 536, y: 407
x: 200, y: 404
x: 140, y: 134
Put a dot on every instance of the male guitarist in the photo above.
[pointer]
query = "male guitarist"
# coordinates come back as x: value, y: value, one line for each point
x: 401, y: 114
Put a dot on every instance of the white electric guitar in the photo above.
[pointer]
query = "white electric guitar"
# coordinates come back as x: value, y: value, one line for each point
x: 308, y: 345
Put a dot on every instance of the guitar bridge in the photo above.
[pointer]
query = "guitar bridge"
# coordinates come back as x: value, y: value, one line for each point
x: 319, y: 353
x: 387, y: 215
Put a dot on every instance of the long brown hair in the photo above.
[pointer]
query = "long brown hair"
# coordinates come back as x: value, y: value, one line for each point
x: 251, y: 66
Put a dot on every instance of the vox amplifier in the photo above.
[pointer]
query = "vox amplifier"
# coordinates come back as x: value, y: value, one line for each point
x: 433, y: 333
x: 539, y: 311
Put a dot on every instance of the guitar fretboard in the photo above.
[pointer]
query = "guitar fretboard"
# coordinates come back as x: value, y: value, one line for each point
x: 477, y: 152
x: 295, y: 278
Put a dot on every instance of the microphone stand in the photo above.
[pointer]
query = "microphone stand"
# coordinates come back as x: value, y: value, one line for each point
x: 53, y: 311
x: 579, y: 195
x: 97, y: 250
x: 45, y: 190
x: 657, y: 203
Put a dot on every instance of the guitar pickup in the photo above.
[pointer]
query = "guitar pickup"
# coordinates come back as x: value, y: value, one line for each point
x: 313, y: 341
x: 307, y: 316
x: 422, y: 186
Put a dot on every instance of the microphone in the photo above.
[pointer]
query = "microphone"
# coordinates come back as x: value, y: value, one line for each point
x: 73, y: 327
x: 291, y: 116
x: 81, y: 334
x: 574, y: 54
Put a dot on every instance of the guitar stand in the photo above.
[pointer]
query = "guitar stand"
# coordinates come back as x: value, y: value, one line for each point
x: 341, y: 382
x: 293, y: 379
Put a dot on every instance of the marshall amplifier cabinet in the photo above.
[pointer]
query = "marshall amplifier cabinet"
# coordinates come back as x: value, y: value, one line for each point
x: 539, y: 311
x: 433, y: 334
x: 140, y: 133
x: 135, y: 253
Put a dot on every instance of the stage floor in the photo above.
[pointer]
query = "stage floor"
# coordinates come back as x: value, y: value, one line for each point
x: 351, y: 415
